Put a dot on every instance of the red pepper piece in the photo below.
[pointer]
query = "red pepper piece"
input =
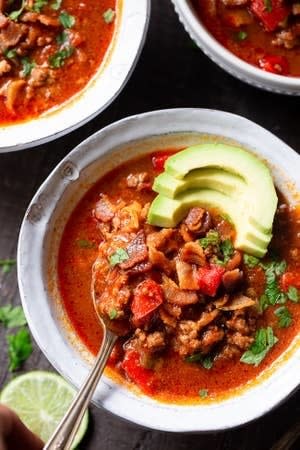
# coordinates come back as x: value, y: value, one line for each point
x: 159, y: 159
x: 148, y: 296
x: 270, y: 12
x: 209, y: 279
x: 140, y: 375
x: 274, y: 64
x: 290, y: 279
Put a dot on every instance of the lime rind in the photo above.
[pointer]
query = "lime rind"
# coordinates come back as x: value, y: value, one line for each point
x: 41, y: 399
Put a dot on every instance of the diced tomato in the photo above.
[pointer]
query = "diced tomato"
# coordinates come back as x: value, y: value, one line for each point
x: 209, y: 279
x: 290, y: 279
x: 159, y: 159
x: 148, y: 296
x: 140, y: 375
x: 270, y: 12
x: 274, y: 64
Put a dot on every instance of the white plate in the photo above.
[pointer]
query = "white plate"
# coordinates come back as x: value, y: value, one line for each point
x: 38, y: 247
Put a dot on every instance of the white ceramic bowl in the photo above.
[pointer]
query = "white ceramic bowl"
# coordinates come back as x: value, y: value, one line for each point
x: 38, y: 248
x: 103, y: 88
x: 227, y: 60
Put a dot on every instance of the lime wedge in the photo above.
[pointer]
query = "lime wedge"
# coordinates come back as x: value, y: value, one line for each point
x: 41, y: 399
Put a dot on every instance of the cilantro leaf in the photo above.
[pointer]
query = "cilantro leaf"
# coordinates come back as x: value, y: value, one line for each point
x: 12, y: 316
x: 14, y: 15
x: 38, y: 5
x: 109, y: 15
x: 119, y: 256
x: 10, y: 53
x: 227, y: 249
x: 268, y: 5
x: 211, y: 238
x: 293, y: 294
x: 113, y: 314
x: 205, y: 361
x: 27, y: 66
x: 56, y: 5
x: 58, y: 59
x: 62, y: 38
x: 84, y: 243
x: 19, y: 348
x: 284, y: 316
x: 250, y: 261
x: 240, y: 35
x: 264, y: 341
x: 273, y: 295
x: 203, y: 393
x: 66, y: 20
x: 7, y: 264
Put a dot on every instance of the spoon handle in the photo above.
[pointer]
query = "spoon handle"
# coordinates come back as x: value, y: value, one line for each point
x: 64, y: 434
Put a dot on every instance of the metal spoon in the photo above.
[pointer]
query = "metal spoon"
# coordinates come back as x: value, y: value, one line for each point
x: 64, y: 434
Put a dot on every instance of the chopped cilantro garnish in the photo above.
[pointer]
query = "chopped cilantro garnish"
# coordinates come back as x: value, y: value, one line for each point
x: 10, y: 54
x: 113, y: 313
x: 19, y: 348
x: 227, y: 249
x: 58, y: 59
x: 119, y: 256
x: 272, y: 295
x: 7, y: 264
x: 250, y: 261
x: 264, y: 341
x: 205, y: 361
x: 268, y: 5
x: 84, y: 243
x: 12, y: 316
x: 56, y: 4
x: 203, y: 393
x: 109, y: 15
x: 66, y: 19
x: 62, y: 38
x: 284, y: 316
x: 14, y: 15
x: 38, y: 5
x: 293, y: 294
x: 241, y: 35
x: 28, y: 65
x: 211, y: 238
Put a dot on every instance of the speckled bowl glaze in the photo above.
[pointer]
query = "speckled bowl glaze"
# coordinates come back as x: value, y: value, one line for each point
x: 121, y: 57
x: 227, y: 60
x: 38, y: 250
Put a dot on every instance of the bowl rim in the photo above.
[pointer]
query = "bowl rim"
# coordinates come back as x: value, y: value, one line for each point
x: 214, y: 49
x: 144, y: 411
x: 111, y: 68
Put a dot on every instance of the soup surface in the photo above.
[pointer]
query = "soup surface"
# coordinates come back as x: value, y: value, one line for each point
x: 203, y: 318
x: 49, y: 50
x: 265, y: 33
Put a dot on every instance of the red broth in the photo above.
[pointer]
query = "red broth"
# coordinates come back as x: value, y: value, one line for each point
x: 175, y: 379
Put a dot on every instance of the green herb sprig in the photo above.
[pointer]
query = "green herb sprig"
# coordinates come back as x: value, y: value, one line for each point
x: 264, y: 341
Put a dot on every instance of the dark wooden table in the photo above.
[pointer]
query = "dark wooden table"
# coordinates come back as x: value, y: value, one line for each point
x: 171, y: 73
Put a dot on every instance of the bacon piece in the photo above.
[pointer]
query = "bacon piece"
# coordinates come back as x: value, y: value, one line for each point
x: 173, y: 294
x: 198, y: 220
x: 137, y: 251
x: 104, y: 209
x: 232, y: 279
x: 238, y: 302
x: 187, y: 275
x: 44, y: 19
x: 193, y: 253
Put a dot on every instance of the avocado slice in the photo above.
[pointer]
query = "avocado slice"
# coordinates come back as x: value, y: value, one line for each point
x: 167, y: 212
x: 261, y: 194
x: 217, y: 179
